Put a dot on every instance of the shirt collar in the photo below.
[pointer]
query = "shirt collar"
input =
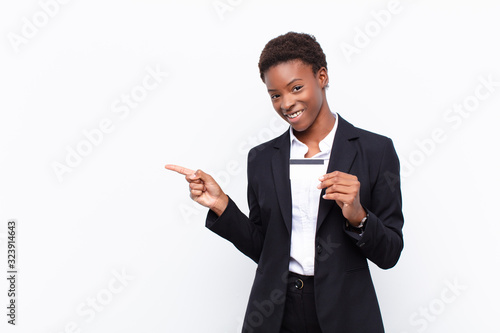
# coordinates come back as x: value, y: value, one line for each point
x: 299, y: 149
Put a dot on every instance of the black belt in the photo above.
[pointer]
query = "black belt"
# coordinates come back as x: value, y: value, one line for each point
x: 303, y: 283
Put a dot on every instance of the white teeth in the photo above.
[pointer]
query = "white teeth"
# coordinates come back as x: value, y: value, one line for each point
x: 296, y: 114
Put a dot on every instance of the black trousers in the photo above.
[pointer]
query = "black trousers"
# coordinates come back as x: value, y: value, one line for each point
x: 300, y: 309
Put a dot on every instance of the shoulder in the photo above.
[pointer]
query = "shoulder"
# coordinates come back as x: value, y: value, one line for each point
x: 365, y: 138
x: 374, y: 140
x: 375, y: 149
x: 265, y: 150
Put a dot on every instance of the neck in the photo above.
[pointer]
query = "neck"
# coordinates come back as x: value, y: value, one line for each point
x: 320, y: 129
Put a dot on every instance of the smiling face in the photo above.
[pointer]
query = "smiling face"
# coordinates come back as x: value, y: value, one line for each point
x: 298, y: 95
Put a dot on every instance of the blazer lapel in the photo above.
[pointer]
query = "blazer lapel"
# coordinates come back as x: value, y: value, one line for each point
x: 281, y: 174
x: 341, y: 159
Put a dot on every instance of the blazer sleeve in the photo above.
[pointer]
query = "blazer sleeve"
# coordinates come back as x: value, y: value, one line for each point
x: 382, y: 240
x: 246, y: 233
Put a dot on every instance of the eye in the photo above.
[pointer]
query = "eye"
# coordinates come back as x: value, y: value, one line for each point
x: 274, y: 96
x: 297, y: 88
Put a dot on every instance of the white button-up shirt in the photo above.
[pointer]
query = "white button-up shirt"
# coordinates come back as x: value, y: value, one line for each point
x: 304, y: 174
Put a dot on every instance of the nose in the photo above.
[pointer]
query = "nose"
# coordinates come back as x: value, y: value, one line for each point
x: 287, y: 102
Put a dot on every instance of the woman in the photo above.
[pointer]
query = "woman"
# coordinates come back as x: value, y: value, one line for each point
x: 323, y: 197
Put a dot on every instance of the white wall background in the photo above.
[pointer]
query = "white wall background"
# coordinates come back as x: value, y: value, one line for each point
x: 117, y: 211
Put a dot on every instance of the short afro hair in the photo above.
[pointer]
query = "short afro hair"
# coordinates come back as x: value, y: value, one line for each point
x: 292, y: 46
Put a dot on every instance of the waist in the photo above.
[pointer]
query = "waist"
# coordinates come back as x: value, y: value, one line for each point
x: 300, y: 283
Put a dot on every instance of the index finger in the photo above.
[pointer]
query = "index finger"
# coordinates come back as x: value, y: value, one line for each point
x: 329, y: 175
x: 335, y: 174
x: 179, y: 169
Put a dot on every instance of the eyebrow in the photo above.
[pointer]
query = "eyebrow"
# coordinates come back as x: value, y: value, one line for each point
x: 289, y: 83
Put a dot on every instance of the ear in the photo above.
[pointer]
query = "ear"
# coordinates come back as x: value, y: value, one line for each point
x: 322, y: 77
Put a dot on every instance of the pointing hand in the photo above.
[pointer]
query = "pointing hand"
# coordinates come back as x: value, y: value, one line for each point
x: 203, y: 188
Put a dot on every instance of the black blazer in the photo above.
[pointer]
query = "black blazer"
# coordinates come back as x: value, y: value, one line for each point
x: 345, y: 296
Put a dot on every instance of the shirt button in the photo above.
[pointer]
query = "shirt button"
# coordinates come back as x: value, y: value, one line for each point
x: 319, y: 248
